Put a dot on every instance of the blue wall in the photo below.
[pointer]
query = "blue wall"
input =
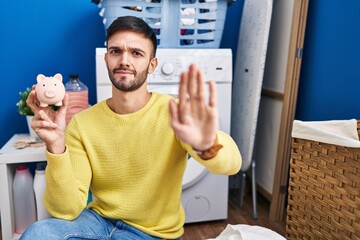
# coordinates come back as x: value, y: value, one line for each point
x: 56, y: 36
x: 330, y: 74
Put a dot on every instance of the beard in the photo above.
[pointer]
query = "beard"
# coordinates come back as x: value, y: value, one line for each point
x: 126, y: 85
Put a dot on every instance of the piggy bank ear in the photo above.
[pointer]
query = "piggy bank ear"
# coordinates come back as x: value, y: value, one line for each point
x: 59, y: 77
x: 40, y: 77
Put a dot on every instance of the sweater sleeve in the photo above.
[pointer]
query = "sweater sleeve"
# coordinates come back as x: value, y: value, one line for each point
x: 68, y: 178
x: 227, y: 161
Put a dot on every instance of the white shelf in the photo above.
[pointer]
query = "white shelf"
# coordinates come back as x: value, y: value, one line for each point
x: 10, y: 158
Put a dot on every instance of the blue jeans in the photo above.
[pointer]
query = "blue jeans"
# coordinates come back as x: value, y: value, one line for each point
x: 89, y: 225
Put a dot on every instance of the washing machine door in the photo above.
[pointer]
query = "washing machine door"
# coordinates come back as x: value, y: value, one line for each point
x: 194, y: 171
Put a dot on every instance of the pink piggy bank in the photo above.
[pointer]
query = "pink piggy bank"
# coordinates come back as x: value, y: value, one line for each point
x: 50, y: 90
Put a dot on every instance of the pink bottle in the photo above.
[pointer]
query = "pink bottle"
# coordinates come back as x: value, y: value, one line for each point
x: 78, y: 96
x: 24, y: 199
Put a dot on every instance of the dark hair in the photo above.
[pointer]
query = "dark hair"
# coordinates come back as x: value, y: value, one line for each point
x: 134, y: 24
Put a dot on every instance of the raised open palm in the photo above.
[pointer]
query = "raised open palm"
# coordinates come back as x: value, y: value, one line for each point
x: 194, y: 119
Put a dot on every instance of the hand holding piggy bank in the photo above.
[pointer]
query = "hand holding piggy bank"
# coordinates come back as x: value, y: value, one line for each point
x: 50, y: 90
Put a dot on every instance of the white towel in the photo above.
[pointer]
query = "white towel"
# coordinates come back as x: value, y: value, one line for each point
x: 247, y: 232
x: 188, y: 21
x: 337, y: 132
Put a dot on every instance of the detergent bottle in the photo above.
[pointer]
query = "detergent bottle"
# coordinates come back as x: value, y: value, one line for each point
x: 78, y: 96
x: 24, y: 199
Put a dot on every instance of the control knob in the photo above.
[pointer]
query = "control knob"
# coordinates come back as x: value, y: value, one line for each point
x: 167, y: 68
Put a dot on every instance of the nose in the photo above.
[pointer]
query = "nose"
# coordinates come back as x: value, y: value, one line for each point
x: 124, y: 59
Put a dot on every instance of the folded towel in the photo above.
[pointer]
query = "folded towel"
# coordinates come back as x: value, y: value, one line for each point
x: 247, y: 232
x: 337, y: 132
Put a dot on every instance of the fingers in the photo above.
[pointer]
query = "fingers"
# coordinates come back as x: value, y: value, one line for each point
x: 192, y: 80
x: 31, y: 101
x: 42, y: 120
x: 65, y: 104
x: 43, y: 116
x: 200, y: 85
x: 213, y: 96
x: 173, y: 107
x: 196, y: 83
x: 192, y: 84
x: 192, y: 92
x: 66, y: 100
x: 183, y: 88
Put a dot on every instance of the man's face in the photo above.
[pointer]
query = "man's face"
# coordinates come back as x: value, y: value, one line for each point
x: 129, y: 60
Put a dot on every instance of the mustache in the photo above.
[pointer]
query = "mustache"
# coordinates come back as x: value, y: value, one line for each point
x: 124, y: 69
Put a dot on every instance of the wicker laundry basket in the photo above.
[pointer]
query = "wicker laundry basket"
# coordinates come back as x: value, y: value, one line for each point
x: 324, y: 191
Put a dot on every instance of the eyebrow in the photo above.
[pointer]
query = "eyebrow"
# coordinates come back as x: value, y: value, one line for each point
x: 130, y: 48
x: 137, y: 50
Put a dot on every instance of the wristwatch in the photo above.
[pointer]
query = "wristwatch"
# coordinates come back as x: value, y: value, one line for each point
x: 210, y: 152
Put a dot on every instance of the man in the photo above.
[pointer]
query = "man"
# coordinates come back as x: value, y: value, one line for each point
x: 129, y: 150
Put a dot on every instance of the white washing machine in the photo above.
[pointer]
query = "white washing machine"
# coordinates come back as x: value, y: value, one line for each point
x: 205, y: 195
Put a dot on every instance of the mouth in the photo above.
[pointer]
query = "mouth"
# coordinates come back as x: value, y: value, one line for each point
x: 124, y: 71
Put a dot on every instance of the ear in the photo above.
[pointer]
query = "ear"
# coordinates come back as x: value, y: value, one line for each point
x: 40, y: 77
x: 152, y: 66
x: 106, y: 58
x: 59, y: 77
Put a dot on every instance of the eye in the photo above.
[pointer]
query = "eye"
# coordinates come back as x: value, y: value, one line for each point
x: 54, y: 84
x: 43, y: 84
x: 137, y: 54
x: 115, y: 51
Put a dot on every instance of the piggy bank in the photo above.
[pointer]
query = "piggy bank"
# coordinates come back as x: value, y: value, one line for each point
x: 50, y: 90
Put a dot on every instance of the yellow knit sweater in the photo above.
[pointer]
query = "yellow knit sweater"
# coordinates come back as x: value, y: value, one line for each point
x: 133, y: 164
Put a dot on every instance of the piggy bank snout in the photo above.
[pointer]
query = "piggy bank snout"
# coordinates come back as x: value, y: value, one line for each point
x: 50, y: 93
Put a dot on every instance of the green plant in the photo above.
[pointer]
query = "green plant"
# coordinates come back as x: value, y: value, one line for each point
x: 23, y: 108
